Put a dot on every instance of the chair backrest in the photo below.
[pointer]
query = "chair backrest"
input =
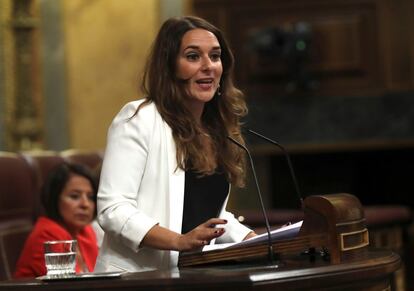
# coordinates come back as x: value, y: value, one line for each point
x: 13, y: 234
x: 41, y: 163
x: 17, y: 182
x: 91, y: 159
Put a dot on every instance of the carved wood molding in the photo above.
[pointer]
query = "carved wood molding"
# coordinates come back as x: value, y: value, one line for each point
x: 26, y: 131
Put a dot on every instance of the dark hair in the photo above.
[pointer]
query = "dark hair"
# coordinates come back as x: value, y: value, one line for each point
x: 221, y: 115
x: 56, y: 181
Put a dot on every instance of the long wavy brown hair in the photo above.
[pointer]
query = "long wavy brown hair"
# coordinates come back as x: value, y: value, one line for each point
x: 221, y: 115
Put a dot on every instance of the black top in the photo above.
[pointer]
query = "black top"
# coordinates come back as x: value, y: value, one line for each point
x: 203, y: 198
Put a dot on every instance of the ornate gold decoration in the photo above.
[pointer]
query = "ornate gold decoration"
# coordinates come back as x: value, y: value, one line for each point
x: 25, y: 130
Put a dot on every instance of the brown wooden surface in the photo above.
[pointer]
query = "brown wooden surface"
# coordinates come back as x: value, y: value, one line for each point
x: 358, y: 47
x: 257, y: 251
x: 371, y: 271
x: 266, y: 150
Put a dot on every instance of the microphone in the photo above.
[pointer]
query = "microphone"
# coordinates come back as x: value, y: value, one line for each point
x: 269, y: 239
x: 286, y: 154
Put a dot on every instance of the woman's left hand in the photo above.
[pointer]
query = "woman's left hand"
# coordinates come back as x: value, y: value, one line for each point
x: 250, y: 235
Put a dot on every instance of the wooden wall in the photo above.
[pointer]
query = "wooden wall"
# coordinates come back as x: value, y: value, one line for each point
x: 358, y: 47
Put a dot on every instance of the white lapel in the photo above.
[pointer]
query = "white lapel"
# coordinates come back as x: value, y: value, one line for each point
x: 176, y: 185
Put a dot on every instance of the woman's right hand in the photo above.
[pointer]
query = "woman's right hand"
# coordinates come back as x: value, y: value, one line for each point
x: 162, y: 238
x: 201, y: 235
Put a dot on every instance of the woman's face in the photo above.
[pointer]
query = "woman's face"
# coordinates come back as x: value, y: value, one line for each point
x: 76, y: 203
x: 199, y: 64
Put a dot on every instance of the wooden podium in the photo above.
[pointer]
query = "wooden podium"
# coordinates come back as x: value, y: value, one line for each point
x: 333, y: 225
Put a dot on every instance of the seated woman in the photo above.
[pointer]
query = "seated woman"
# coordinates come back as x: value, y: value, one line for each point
x: 69, y: 199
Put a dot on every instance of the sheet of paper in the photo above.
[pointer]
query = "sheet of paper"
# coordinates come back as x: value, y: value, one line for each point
x: 283, y: 232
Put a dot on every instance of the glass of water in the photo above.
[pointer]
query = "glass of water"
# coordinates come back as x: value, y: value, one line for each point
x: 60, y: 257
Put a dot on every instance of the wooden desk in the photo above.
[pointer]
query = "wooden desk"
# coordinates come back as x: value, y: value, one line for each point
x: 370, y: 271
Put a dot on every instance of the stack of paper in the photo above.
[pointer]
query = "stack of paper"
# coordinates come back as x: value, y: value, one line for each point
x: 284, y: 232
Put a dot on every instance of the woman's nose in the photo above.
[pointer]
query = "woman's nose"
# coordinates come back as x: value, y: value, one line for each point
x: 206, y: 65
x: 85, y: 201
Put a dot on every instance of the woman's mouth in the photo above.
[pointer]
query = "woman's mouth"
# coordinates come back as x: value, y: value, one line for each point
x: 205, y: 83
x: 82, y: 216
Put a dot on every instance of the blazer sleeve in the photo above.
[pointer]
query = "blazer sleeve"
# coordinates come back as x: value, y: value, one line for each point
x: 31, y: 262
x: 128, y: 141
x: 88, y: 246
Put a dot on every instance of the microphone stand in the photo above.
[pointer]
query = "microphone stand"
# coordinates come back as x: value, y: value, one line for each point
x: 311, y: 251
x: 292, y: 173
x: 269, y: 239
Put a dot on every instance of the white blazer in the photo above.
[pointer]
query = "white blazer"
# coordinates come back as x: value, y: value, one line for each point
x: 141, y: 186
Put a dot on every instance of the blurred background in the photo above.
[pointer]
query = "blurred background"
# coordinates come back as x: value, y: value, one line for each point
x: 331, y: 80
x: 68, y: 66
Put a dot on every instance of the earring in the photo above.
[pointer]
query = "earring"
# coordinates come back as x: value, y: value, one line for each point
x: 218, y: 90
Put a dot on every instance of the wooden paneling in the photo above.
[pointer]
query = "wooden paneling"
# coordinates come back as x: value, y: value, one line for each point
x: 357, y: 47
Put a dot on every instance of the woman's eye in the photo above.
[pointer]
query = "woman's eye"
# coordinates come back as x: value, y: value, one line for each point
x: 192, y: 57
x: 74, y: 196
x: 215, y: 57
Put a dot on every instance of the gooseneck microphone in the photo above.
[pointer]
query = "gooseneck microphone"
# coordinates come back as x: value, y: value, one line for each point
x: 286, y: 154
x: 269, y: 239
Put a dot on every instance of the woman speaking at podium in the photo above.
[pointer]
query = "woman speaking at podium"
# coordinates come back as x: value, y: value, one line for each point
x: 168, y: 164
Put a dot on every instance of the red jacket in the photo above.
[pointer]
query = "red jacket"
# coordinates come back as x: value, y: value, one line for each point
x: 32, y: 261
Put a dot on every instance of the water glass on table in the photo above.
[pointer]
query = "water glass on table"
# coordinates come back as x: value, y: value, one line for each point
x: 60, y: 257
